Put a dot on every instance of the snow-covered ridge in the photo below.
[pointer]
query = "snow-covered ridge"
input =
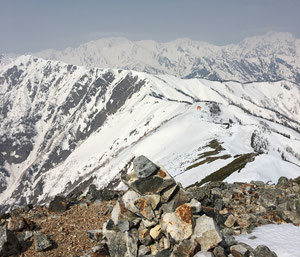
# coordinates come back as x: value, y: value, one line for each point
x: 64, y: 126
x: 271, y: 57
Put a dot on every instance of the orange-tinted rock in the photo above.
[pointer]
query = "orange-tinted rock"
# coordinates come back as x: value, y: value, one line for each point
x: 184, y: 212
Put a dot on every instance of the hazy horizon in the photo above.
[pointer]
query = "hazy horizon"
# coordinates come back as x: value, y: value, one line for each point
x: 36, y: 25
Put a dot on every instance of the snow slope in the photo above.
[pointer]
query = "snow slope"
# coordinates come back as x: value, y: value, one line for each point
x: 283, y: 239
x: 271, y: 57
x: 64, y: 127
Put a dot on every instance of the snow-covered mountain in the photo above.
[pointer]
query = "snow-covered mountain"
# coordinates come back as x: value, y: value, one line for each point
x: 6, y: 59
x: 271, y: 57
x: 64, y: 127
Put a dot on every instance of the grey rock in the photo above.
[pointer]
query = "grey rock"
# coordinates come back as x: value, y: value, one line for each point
x: 196, y: 206
x: 178, y: 199
x: 219, y: 252
x: 230, y: 221
x: 140, y: 205
x: 283, y: 181
x: 3, y: 236
x: 241, y: 250
x: 95, y: 235
x: 42, y: 242
x: 101, y: 195
x: 144, y: 235
x: 124, y: 225
x: 203, y: 254
x: 149, y: 223
x: 143, y: 167
x: 151, y: 185
x: 9, y: 244
x: 123, y: 244
x: 263, y: 251
x: 143, y: 250
x: 16, y: 223
x: 230, y: 240
x: 58, y: 204
x: 185, y: 248
x: 199, y: 193
x: 168, y: 193
x: 119, y: 212
x: 218, y: 204
x: 206, y: 233
x: 24, y: 236
x: 163, y: 253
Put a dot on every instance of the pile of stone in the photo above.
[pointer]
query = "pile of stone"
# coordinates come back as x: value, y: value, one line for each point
x: 17, y: 232
x: 156, y: 217
x: 240, y: 207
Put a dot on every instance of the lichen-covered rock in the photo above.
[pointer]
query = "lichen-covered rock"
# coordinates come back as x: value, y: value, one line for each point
x: 140, y: 205
x: 178, y: 224
x: 178, y: 199
x: 206, y: 233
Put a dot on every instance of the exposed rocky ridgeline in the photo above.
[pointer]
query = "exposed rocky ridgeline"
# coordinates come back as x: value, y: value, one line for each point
x: 270, y: 57
x: 154, y: 217
x: 64, y: 127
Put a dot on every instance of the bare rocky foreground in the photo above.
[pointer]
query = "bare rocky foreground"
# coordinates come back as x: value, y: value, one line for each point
x: 155, y: 217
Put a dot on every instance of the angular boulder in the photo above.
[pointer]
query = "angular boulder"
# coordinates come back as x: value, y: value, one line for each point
x: 147, y: 178
x: 123, y: 244
x: 178, y: 224
x: 206, y: 233
x: 119, y: 212
x: 58, y: 204
x: 263, y: 251
x: 42, y: 242
x: 185, y: 248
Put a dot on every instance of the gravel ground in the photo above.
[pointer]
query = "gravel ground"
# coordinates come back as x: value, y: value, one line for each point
x: 68, y: 229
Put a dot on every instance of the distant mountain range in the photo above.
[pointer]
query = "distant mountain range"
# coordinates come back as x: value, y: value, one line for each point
x: 271, y: 57
x: 65, y: 126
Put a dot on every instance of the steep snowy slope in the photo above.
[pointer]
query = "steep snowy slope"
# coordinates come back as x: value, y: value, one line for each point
x: 271, y: 57
x: 64, y: 127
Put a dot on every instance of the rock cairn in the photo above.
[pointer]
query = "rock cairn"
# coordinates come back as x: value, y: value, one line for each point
x: 156, y: 217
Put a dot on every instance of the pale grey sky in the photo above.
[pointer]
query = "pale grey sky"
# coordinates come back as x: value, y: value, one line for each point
x: 33, y: 25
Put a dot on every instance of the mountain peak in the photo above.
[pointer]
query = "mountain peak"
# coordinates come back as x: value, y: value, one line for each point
x: 270, y: 57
